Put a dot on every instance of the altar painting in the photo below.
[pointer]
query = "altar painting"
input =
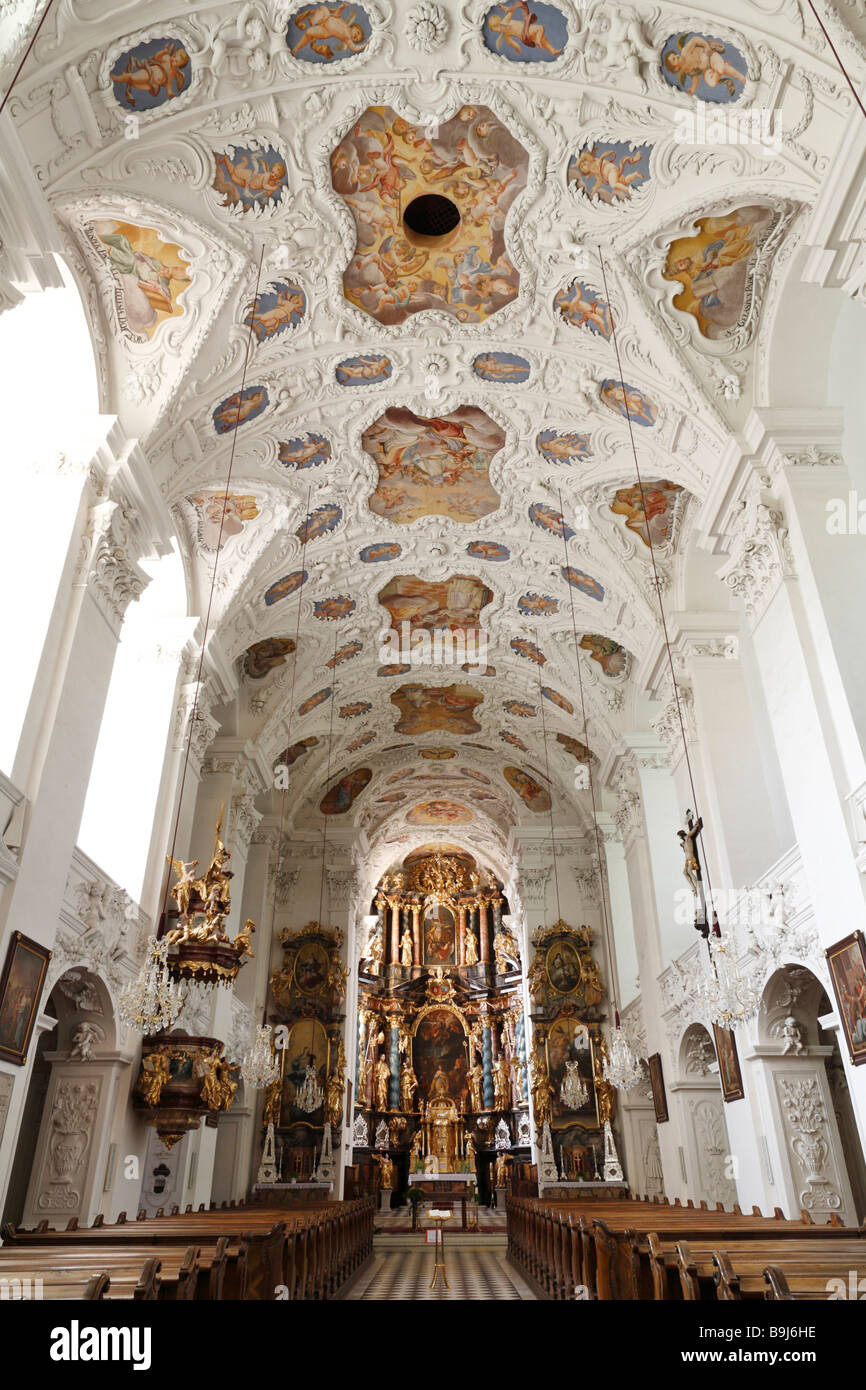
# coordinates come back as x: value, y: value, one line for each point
x: 439, y: 1055
x: 304, y: 1073
x: 440, y: 936
x: 569, y: 1056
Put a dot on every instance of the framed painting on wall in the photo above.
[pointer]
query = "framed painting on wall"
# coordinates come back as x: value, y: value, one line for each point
x: 657, y: 1081
x: 20, y: 991
x: 847, y: 964
x: 729, y: 1064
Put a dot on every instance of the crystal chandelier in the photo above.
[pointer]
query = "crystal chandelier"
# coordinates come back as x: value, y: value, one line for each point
x: 620, y: 1067
x: 574, y: 1091
x: 153, y: 1000
x: 727, y: 994
x: 260, y: 1067
x: 310, y: 1094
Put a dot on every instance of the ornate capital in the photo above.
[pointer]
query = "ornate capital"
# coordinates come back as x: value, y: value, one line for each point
x: 106, y: 563
x: 533, y: 884
x: 760, y: 550
x: 341, y: 886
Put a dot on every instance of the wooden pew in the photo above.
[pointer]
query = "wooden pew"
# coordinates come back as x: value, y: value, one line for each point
x: 310, y: 1251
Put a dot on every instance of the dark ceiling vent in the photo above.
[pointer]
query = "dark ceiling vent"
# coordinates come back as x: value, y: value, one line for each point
x: 431, y: 215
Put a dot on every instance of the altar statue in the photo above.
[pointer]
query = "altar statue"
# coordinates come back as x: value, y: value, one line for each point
x: 542, y: 1089
x: 386, y: 1171
x: 470, y: 1153
x: 501, y: 1083
x: 415, y: 1148
x: 383, y: 1076
x: 406, y: 949
x: 476, y: 1079
x: 408, y: 1086
x: 501, y: 1169
x: 471, y: 955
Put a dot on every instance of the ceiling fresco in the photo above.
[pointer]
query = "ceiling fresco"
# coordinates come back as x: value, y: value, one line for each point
x: 382, y: 167
x: 386, y: 297
x: 436, y: 467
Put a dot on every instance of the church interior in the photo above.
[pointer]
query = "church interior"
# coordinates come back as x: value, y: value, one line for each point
x: 432, y: 741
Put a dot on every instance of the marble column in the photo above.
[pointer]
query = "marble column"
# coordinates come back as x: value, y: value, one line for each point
x: 417, y: 953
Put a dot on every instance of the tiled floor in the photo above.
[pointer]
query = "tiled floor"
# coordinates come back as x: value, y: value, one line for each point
x: 406, y: 1275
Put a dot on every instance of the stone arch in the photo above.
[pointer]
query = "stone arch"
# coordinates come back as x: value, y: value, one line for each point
x: 801, y: 1080
x: 59, y: 1163
x: 708, y: 1147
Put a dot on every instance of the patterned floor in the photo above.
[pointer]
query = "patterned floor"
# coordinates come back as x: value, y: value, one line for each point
x: 406, y: 1275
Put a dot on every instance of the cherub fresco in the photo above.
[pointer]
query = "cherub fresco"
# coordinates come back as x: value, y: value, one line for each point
x: 488, y: 550
x: 338, y: 800
x: 352, y: 649
x: 501, y: 366
x: 262, y: 657
x: 534, y: 796
x: 150, y: 274
x: 582, y: 307
x: 439, y: 813
x: 291, y: 754
x: 382, y: 166
x: 250, y: 178
x: 648, y: 510
x: 525, y: 34
x: 289, y: 584
x: 508, y: 737
x: 320, y: 522
x: 629, y: 402
x: 329, y: 609
x: 379, y: 551
x: 453, y: 603
x: 325, y: 33
x: 574, y: 746
x: 520, y: 708
x: 433, y: 467
x: 547, y: 519
x: 523, y: 647
x: 537, y: 605
x: 611, y: 657
x: 222, y: 515
x: 556, y: 699
x: 563, y: 448
x: 425, y: 708
x: 610, y: 171
x: 235, y: 410
x: 281, y: 306
x: 355, y: 709
x: 361, y: 742
x: 305, y: 453
x: 705, y: 67
x: 584, y: 582
x: 716, y: 267
x: 363, y: 371
x: 315, y: 700
x: 151, y: 74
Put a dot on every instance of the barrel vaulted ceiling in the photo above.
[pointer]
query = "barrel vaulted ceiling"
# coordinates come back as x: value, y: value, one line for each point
x: 420, y: 419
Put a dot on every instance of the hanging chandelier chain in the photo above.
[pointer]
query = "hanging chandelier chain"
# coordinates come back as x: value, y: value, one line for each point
x: 194, y: 710
x: 608, y: 932
x: 656, y: 579
x: 550, y: 786
x: 328, y: 777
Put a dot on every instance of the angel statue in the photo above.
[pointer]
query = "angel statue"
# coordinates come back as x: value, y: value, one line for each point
x: 153, y: 1076
x: 242, y: 940
x: 182, y: 891
x: 386, y: 1170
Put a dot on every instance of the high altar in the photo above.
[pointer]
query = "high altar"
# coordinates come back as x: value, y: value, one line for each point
x: 441, y: 1032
